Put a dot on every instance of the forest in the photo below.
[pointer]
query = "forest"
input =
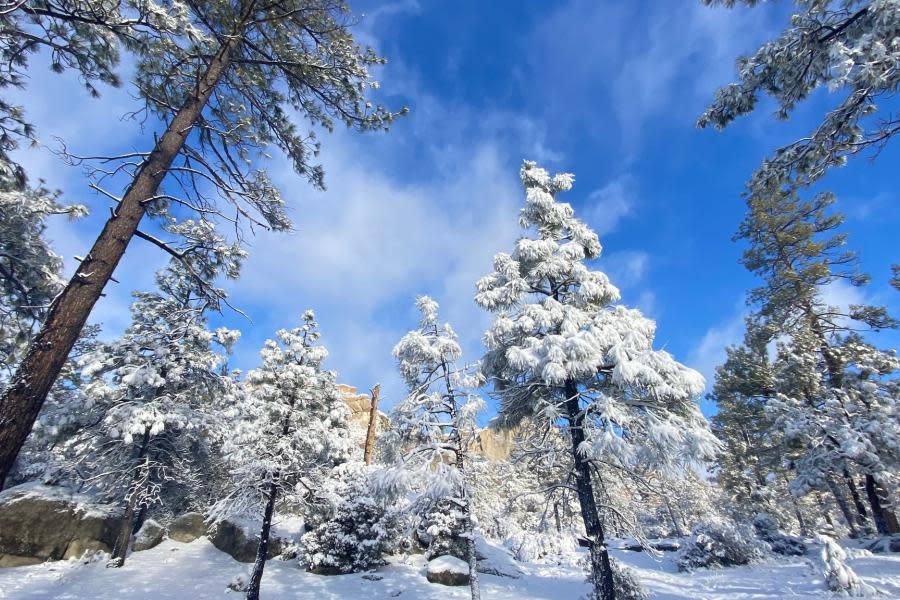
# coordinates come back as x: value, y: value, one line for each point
x: 299, y: 300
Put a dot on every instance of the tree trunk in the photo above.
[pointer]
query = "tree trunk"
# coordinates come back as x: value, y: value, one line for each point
x: 22, y: 400
x: 126, y: 530
x: 457, y: 438
x: 556, y: 517
x: 845, y: 510
x: 369, y: 451
x: 862, y: 517
x: 885, y: 519
x: 262, y: 550
x: 678, y: 530
x: 601, y: 569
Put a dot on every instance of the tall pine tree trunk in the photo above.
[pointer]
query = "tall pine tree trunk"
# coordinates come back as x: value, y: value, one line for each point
x: 262, y: 550
x: 885, y: 519
x: 36, y: 374
x: 601, y: 569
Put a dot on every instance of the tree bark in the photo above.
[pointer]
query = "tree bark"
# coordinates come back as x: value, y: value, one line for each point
x: 845, y: 510
x: 862, y: 516
x: 369, y: 450
x: 126, y: 530
x: 23, y: 399
x: 601, y: 569
x: 885, y: 519
x: 262, y: 550
x: 471, y: 555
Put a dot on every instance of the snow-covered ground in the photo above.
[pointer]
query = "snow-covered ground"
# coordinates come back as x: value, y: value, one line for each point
x: 197, y: 571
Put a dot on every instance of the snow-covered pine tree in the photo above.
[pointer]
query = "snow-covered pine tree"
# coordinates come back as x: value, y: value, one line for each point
x: 562, y: 352
x: 755, y: 466
x: 291, y: 430
x: 839, y: 577
x: 152, y: 390
x: 435, y: 425
x: 848, y: 47
x: 29, y: 269
x: 227, y: 80
x: 832, y: 391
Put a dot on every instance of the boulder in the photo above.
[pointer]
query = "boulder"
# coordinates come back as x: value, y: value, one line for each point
x: 885, y: 544
x: 448, y: 570
x: 240, y: 540
x: 150, y: 535
x: 187, y: 528
x: 495, y: 560
x: 40, y: 522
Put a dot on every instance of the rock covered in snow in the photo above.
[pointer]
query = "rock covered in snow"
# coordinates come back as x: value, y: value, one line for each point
x: 40, y: 522
x: 150, y: 535
x: 885, y: 544
x: 448, y: 570
x: 188, y: 527
x: 494, y: 560
x: 240, y: 540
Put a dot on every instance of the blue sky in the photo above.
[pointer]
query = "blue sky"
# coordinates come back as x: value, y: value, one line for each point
x: 607, y: 90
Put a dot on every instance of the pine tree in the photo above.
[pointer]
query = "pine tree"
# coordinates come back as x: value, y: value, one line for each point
x: 153, y: 390
x: 435, y: 424
x: 29, y: 269
x: 754, y: 467
x: 847, y: 47
x: 562, y: 352
x: 225, y: 78
x: 831, y: 396
x: 291, y: 430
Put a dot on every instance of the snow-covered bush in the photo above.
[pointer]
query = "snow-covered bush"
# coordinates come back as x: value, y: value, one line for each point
x: 767, y: 529
x: 355, y: 538
x: 720, y: 545
x: 442, y: 530
x: 839, y: 577
x: 547, y: 546
x: 238, y: 583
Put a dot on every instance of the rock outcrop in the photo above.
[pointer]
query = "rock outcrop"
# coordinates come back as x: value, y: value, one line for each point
x: 150, y: 535
x: 448, y: 570
x: 237, y: 540
x: 40, y: 523
x: 187, y: 528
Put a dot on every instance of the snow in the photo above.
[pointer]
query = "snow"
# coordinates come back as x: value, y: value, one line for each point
x: 448, y: 564
x: 197, y: 571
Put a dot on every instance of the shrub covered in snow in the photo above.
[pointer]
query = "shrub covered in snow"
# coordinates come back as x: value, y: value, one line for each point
x: 839, y: 577
x: 548, y: 546
x: 354, y: 539
x: 625, y: 582
x: 238, y: 583
x: 442, y: 530
x: 720, y: 545
x: 767, y: 529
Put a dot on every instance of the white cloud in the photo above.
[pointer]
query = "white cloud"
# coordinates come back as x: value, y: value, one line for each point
x: 610, y: 204
x: 710, y: 352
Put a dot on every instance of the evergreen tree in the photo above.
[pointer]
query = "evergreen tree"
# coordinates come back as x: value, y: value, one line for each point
x: 224, y: 78
x: 291, y: 430
x: 29, y: 269
x: 848, y: 47
x: 562, y: 352
x: 152, y: 390
x: 832, y: 393
x: 434, y: 426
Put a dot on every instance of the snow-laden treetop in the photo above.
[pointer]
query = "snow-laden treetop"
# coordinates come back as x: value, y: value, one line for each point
x: 559, y: 334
